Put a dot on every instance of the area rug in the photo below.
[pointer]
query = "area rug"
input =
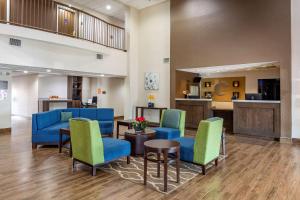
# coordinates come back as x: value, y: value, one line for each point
x: 134, y: 172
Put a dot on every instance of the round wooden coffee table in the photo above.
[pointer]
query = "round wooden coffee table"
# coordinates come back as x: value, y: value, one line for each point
x: 137, y: 140
x: 165, y: 148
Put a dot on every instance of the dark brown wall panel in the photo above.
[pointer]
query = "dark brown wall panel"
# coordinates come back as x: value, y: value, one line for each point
x: 217, y: 32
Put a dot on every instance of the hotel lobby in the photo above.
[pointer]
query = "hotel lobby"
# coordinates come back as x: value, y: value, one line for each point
x: 149, y: 99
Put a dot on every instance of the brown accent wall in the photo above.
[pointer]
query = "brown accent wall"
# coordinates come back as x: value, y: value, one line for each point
x: 182, y: 82
x: 218, y: 32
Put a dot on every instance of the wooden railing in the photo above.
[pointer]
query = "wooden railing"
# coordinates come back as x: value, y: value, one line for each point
x: 51, y: 16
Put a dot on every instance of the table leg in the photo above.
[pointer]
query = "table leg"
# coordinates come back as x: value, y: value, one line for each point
x: 118, y: 129
x: 158, y: 165
x: 165, y: 171
x: 145, y: 167
x: 60, y: 142
x: 178, y: 165
x: 70, y: 153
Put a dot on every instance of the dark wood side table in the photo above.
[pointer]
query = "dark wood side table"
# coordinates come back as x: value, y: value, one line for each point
x: 64, y: 131
x: 143, y: 108
x: 127, y: 123
x: 165, y: 148
x: 137, y: 140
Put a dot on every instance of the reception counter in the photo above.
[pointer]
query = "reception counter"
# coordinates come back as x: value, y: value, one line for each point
x: 246, y: 117
x: 257, y: 118
x: 196, y: 110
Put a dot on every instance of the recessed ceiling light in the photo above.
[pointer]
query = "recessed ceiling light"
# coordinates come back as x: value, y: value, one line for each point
x: 102, y: 75
x: 25, y: 72
x: 108, y: 7
x: 48, y: 70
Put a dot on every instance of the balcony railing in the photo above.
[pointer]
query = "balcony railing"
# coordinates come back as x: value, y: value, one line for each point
x: 51, y: 16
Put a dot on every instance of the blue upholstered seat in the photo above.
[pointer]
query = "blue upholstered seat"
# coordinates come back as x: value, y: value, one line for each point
x: 114, y: 149
x: 166, y: 133
x: 46, y: 125
x: 171, y: 125
x: 186, y: 148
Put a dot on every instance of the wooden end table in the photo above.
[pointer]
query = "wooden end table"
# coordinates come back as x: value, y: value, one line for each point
x: 165, y: 148
x: 64, y: 131
x: 137, y: 140
x: 127, y: 123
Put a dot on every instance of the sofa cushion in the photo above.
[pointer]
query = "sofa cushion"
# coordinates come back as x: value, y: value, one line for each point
x: 186, y: 148
x: 47, y: 119
x: 65, y: 116
x: 166, y: 133
x: 89, y: 113
x: 75, y: 111
x: 55, y: 128
x: 114, y: 149
x: 171, y: 118
x: 105, y: 114
x: 106, y: 124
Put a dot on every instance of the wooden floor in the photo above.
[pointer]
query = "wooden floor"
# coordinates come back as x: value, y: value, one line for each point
x: 255, y: 169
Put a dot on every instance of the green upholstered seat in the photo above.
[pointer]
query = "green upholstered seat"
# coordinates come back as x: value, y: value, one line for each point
x: 88, y: 146
x: 172, y: 124
x: 205, y: 148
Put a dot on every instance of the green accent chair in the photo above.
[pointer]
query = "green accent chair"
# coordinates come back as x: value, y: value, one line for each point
x: 205, y: 148
x: 90, y: 148
x: 172, y: 124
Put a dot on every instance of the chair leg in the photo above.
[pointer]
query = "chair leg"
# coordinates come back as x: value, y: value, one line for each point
x: 203, y: 169
x: 34, y: 146
x: 216, y: 162
x: 94, y: 171
x: 73, y: 164
x: 128, y: 160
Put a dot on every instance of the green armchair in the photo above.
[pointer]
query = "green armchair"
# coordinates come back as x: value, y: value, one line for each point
x: 205, y: 148
x: 172, y: 124
x: 90, y: 148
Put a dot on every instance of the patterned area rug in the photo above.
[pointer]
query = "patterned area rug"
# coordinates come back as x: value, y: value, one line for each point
x: 135, y: 172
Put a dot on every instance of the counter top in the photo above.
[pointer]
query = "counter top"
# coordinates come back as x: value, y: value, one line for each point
x: 255, y: 101
x: 184, y: 99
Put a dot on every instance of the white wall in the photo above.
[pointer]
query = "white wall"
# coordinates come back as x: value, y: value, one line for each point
x: 86, y: 89
x: 295, y: 7
x: 53, y: 86
x: 25, y: 95
x: 5, y: 105
x: 115, y: 93
x: 149, y: 44
x: 47, y: 50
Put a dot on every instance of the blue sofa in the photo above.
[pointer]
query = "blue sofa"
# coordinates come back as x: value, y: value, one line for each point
x: 46, y: 125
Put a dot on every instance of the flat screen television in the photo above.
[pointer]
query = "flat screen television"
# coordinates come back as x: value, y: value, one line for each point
x: 269, y: 89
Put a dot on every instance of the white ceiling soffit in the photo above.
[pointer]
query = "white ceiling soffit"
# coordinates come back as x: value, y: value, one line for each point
x: 231, y: 68
x: 117, y: 9
x: 19, y: 70
x: 141, y: 4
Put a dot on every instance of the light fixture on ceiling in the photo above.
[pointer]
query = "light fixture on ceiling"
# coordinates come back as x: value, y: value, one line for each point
x: 48, y: 70
x: 25, y: 72
x: 102, y: 75
x: 108, y: 7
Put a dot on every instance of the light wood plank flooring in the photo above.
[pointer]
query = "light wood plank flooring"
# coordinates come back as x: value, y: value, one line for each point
x: 255, y: 169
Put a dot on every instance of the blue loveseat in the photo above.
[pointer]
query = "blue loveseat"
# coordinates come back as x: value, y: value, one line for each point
x: 46, y: 125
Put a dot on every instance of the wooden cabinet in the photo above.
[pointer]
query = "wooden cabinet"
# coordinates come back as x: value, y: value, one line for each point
x: 196, y: 110
x: 257, y: 119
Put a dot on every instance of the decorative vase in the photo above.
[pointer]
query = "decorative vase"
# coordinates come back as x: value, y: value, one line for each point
x: 150, y: 105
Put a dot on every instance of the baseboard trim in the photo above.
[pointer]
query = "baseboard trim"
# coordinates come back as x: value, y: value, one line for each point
x: 286, y: 140
x: 296, y: 140
x: 5, y: 130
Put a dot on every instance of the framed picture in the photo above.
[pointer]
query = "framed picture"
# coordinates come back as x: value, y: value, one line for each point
x: 207, y: 84
x: 3, y: 90
x: 151, y: 81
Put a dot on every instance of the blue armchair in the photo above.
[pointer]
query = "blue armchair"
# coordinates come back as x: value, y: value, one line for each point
x: 172, y: 124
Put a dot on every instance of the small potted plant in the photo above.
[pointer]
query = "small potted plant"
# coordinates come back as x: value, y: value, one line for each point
x: 140, y: 124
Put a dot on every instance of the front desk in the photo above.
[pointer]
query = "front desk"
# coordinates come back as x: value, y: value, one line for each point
x: 257, y: 118
x: 250, y: 117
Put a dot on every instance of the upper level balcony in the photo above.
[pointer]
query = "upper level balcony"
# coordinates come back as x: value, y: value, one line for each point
x: 55, y: 17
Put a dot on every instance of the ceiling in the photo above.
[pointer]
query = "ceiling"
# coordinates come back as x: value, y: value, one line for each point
x: 118, y: 7
x: 231, y: 68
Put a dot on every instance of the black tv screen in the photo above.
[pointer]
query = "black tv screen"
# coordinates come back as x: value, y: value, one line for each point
x: 269, y: 89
